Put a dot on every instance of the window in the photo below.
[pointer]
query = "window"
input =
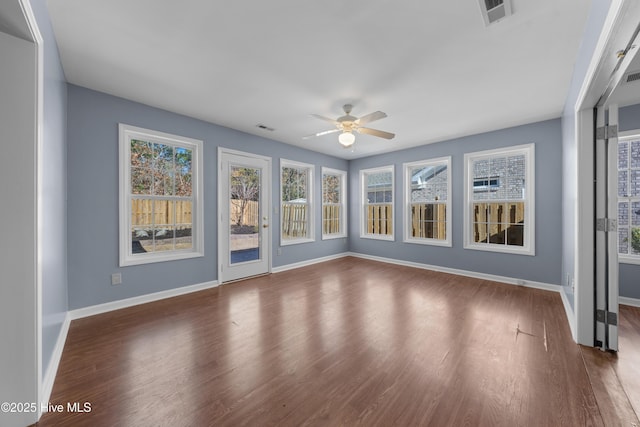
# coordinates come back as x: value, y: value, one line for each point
x: 334, y: 212
x: 377, y: 203
x: 296, y: 183
x: 629, y: 198
x: 427, y: 202
x: 499, y: 192
x: 160, y: 197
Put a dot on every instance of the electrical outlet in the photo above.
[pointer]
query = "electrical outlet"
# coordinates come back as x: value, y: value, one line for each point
x: 116, y: 278
x: 279, y: 251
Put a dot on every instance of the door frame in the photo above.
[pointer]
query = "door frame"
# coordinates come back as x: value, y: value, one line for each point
x: 222, y: 226
x: 605, y: 69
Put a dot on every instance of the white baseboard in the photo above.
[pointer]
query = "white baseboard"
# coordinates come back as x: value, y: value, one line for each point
x: 308, y: 262
x: 634, y: 302
x: 142, y: 299
x: 493, y: 277
x: 52, y: 368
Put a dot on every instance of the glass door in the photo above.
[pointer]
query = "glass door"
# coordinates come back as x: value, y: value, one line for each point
x: 244, y: 184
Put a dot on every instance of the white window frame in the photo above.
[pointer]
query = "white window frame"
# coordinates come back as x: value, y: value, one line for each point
x: 310, y: 203
x: 342, y: 203
x: 632, y: 135
x: 407, y: 220
x: 529, y: 200
x: 126, y: 134
x: 363, y: 203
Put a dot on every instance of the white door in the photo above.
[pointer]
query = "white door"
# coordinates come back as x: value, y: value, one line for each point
x: 606, y: 227
x: 244, y: 184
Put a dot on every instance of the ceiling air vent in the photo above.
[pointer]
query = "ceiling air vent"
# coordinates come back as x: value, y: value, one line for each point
x: 631, y: 77
x: 264, y: 127
x: 494, y: 10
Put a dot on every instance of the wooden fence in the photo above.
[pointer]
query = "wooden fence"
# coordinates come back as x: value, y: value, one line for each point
x: 294, y: 220
x: 379, y: 219
x: 331, y: 219
x: 146, y: 213
x: 494, y: 219
x: 250, y: 216
x: 429, y: 220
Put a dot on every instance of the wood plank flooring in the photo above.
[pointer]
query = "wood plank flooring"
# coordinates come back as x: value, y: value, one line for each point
x: 616, y: 376
x: 345, y: 342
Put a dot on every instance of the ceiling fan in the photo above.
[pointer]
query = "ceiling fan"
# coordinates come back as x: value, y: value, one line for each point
x: 348, y: 124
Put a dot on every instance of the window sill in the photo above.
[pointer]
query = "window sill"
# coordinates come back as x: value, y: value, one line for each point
x: 429, y: 242
x: 150, y: 259
x: 389, y: 238
x: 334, y: 236
x: 296, y: 241
x: 519, y: 250
x: 626, y: 259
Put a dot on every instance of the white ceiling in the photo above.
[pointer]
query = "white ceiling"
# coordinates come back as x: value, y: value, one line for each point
x: 433, y: 67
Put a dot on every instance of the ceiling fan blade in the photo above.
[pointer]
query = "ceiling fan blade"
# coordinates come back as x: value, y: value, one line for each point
x: 376, y: 115
x: 326, y: 119
x: 321, y: 133
x: 376, y: 132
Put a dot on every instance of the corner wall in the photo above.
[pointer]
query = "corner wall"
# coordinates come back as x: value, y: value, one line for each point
x: 92, y: 161
x: 53, y: 194
x: 544, y: 267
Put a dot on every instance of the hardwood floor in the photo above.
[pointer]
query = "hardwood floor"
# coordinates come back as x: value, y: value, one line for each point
x: 616, y: 376
x: 346, y: 342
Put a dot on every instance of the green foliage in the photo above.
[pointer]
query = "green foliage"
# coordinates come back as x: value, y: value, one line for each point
x: 635, y: 239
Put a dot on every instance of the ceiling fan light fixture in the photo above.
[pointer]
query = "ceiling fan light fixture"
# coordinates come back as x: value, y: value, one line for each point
x: 346, y: 139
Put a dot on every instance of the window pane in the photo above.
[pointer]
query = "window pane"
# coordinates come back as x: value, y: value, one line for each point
x: 497, y: 175
x: 480, y: 232
x: 141, y: 210
x: 184, y: 214
x: 623, y: 213
x: 428, y: 220
x: 294, y: 184
x: 635, y: 213
x: 183, y: 172
x: 330, y: 189
x: 515, y: 212
x: 515, y: 235
x: 497, y: 233
x: 516, y: 177
x: 634, y: 183
x: 623, y: 240
x: 635, y: 240
x: 635, y: 154
x: 496, y: 213
x: 623, y: 155
x: 623, y: 183
x: 184, y: 238
x: 331, y: 215
x: 163, y: 238
x: 141, y: 154
x: 294, y: 220
x: 480, y: 212
x: 141, y: 181
x: 379, y: 219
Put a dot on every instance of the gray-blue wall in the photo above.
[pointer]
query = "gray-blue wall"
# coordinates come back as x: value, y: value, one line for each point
x: 92, y: 175
x: 595, y: 21
x: 54, y: 205
x: 629, y: 119
x: 544, y: 267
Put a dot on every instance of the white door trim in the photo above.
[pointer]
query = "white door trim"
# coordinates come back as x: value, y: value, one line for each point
x: 222, y: 226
